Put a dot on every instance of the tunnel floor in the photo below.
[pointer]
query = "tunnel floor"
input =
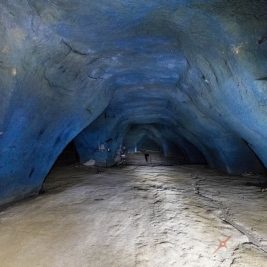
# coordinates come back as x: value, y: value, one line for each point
x: 138, y: 216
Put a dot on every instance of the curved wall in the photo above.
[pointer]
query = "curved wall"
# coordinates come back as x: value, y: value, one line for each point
x: 196, y: 67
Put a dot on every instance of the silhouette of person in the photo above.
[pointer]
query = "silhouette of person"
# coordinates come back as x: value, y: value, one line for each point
x: 146, y: 155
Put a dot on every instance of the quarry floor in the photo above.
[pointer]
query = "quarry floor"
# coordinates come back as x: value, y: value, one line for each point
x: 156, y: 216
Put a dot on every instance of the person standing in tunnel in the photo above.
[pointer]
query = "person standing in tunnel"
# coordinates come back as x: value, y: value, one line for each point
x: 146, y: 156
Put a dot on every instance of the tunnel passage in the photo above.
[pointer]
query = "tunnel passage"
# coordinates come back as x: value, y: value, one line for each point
x: 148, y: 151
x: 148, y: 144
x: 90, y: 70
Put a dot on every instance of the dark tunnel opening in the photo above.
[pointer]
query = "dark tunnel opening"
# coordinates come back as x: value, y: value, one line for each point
x: 69, y: 156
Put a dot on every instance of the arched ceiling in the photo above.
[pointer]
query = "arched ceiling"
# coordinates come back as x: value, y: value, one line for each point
x: 195, y: 68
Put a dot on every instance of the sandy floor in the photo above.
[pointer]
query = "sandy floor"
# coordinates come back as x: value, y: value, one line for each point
x: 138, y: 216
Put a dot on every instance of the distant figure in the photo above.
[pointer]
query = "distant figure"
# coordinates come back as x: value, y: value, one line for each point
x: 123, y: 158
x: 123, y: 150
x: 123, y: 155
x: 146, y: 155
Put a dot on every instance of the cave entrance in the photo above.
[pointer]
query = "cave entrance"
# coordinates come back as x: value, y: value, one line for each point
x: 68, y: 156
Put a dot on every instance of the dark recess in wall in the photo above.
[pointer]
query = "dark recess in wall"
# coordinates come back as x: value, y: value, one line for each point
x: 68, y: 156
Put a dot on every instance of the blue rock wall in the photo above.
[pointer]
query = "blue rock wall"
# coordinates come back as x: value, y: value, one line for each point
x: 193, y: 72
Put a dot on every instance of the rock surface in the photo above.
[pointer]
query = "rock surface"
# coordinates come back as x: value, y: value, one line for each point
x: 138, y: 216
x: 191, y: 72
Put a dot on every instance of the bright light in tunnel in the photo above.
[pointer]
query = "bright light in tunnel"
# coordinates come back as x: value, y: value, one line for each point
x: 14, y: 71
x: 236, y: 49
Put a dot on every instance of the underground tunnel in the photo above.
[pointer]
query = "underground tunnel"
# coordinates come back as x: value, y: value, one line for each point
x: 133, y: 133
